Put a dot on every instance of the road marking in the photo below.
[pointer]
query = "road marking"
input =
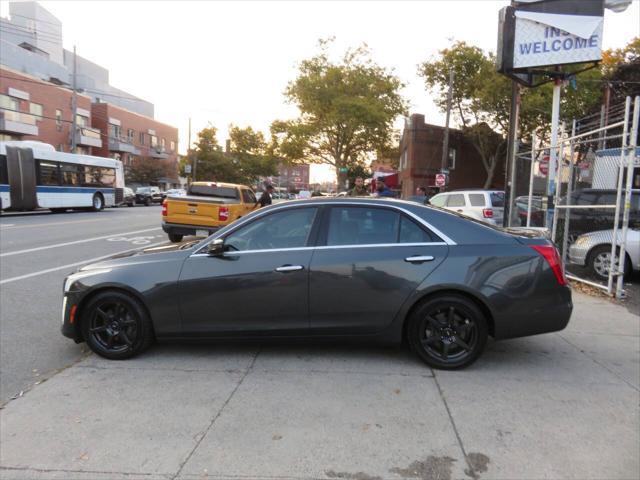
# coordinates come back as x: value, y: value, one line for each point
x: 75, y: 242
x: 134, y: 240
x: 76, y: 264
x: 7, y: 225
x: 52, y: 224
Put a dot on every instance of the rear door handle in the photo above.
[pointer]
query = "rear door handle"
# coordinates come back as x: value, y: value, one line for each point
x: 289, y: 268
x: 419, y: 259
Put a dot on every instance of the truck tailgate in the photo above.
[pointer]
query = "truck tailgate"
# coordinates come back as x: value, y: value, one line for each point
x: 195, y: 210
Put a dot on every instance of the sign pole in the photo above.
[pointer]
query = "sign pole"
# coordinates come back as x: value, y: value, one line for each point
x: 553, y: 153
x: 510, y: 165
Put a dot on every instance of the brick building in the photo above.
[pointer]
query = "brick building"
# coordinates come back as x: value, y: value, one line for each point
x: 421, y: 158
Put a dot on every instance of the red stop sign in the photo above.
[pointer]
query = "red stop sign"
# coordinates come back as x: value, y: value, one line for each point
x: 544, y: 165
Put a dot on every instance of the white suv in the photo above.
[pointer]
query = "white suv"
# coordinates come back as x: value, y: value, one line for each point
x: 484, y: 205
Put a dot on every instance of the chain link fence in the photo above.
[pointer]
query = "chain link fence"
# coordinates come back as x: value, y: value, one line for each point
x: 589, y: 204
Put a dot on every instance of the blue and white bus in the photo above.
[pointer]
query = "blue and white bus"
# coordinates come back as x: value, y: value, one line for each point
x: 34, y: 175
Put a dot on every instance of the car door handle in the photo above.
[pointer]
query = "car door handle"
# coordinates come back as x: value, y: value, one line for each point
x: 419, y: 259
x: 289, y: 268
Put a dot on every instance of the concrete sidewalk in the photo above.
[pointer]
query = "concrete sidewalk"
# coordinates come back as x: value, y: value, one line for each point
x: 561, y: 405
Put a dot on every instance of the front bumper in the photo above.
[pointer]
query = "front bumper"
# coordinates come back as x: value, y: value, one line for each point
x: 68, y: 329
x: 180, y: 229
x: 578, y: 255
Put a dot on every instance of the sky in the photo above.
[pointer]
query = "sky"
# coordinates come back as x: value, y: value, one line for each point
x: 222, y: 62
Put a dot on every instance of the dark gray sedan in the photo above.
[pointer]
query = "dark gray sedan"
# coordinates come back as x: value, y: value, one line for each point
x: 367, y: 269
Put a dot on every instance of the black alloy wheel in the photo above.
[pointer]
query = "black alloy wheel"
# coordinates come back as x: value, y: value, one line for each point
x: 448, y: 331
x: 116, y: 326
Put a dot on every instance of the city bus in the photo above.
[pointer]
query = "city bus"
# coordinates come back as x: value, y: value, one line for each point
x: 34, y: 175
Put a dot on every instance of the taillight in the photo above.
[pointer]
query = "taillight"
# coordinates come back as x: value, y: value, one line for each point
x: 164, y: 208
x: 223, y: 214
x: 487, y: 213
x: 551, y: 255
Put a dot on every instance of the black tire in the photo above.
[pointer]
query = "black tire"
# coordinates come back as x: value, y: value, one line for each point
x: 116, y: 325
x: 598, y: 261
x: 147, y: 202
x: 447, y: 331
x: 129, y: 204
x: 97, y: 202
x: 175, y: 237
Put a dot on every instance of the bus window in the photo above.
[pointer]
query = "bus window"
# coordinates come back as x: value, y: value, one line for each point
x: 71, y: 173
x: 99, y: 177
x: 49, y: 173
x: 4, y: 177
x: 108, y: 178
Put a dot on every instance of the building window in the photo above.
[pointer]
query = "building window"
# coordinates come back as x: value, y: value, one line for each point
x: 451, y: 164
x: 59, y: 120
x: 35, y: 109
x: 173, y: 146
x: 60, y: 147
x: 162, y: 143
x: 82, y: 121
x: 154, y: 141
x: 403, y: 160
x: 9, y: 103
x: 141, y: 138
x: 130, y: 135
x: 114, y: 131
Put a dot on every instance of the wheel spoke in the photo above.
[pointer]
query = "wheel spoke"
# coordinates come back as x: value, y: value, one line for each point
x: 451, y: 316
x: 433, y: 322
x: 125, y: 338
x: 102, y: 314
x: 430, y: 341
x: 99, y: 329
x: 445, y: 350
x: 129, y: 322
x: 458, y: 341
x: 110, y: 341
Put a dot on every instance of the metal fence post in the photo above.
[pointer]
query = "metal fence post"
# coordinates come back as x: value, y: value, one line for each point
x: 567, y: 214
x: 627, y: 200
x: 614, y: 239
x: 533, y: 161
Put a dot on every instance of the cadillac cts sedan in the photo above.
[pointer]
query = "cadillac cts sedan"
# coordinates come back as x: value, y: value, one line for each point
x: 379, y: 270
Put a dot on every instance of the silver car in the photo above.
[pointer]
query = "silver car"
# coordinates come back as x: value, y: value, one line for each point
x: 593, y: 250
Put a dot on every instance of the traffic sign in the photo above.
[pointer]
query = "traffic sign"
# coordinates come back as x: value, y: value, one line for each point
x: 187, y: 168
x: 343, y: 170
x: 544, y: 165
x: 441, y: 180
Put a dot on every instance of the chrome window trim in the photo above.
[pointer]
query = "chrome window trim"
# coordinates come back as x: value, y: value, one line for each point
x: 446, y: 239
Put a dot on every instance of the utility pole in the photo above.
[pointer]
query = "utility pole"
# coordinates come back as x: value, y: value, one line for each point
x: 194, y: 161
x: 445, y: 142
x: 74, y: 105
x: 512, y: 148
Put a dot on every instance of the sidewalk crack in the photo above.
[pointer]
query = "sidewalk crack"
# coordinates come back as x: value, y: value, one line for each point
x: 217, y: 415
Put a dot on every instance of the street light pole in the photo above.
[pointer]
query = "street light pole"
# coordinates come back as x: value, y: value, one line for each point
x: 74, y: 105
x: 445, y: 143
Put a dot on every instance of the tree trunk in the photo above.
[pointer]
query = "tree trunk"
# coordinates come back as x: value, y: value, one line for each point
x: 490, y: 171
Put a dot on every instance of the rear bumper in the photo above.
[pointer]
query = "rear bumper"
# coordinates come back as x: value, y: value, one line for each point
x: 179, y: 229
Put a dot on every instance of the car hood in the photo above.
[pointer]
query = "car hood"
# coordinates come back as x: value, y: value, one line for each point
x: 160, y: 253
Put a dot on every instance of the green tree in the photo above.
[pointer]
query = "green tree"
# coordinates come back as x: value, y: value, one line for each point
x: 347, y: 109
x: 145, y: 171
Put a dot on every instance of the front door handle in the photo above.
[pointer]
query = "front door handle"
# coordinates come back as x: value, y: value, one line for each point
x: 289, y: 268
x: 419, y: 259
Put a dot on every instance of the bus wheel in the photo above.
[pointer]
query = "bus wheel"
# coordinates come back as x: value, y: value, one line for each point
x: 97, y: 202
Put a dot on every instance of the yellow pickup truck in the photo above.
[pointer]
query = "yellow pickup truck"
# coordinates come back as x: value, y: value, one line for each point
x: 205, y: 208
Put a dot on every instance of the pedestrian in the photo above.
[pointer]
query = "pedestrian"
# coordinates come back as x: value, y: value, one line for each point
x: 420, y: 196
x: 382, y: 190
x: 265, y: 198
x: 359, y: 190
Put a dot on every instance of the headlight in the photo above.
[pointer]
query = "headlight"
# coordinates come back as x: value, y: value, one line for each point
x: 74, y: 277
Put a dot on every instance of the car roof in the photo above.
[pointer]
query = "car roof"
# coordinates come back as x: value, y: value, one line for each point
x: 220, y: 184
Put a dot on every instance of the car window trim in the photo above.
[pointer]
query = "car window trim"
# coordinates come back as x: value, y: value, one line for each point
x: 446, y: 240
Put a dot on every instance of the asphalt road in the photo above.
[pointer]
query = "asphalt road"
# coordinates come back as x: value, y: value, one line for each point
x: 36, y: 252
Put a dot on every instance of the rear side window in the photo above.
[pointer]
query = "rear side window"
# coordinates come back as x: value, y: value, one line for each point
x: 456, y: 200
x: 72, y: 174
x: 248, y: 196
x: 214, y: 191
x: 497, y: 199
x: 362, y: 226
x: 476, y: 199
x: 410, y: 232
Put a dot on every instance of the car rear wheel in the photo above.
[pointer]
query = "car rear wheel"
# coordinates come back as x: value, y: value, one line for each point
x: 175, y: 237
x: 447, y: 331
x: 116, y: 326
x: 600, y: 262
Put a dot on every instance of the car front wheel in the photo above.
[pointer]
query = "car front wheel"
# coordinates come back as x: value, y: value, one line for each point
x: 600, y: 262
x: 116, y: 325
x: 447, y: 331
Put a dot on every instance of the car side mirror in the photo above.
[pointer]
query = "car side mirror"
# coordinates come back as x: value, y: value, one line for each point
x: 216, y: 248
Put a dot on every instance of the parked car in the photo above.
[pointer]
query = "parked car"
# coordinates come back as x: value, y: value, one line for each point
x: 583, y: 220
x: 593, y: 250
x: 148, y: 195
x: 484, y: 205
x: 175, y: 191
x: 537, y: 211
x: 207, y: 207
x: 129, y: 198
x: 371, y: 269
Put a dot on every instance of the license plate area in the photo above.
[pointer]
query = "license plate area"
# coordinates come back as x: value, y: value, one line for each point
x: 202, y: 233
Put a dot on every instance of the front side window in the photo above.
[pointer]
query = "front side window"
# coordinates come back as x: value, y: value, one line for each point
x: 48, y: 173
x: 288, y: 229
x: 438, y: 200
x: 455, y: 200
x: 362, y: 226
